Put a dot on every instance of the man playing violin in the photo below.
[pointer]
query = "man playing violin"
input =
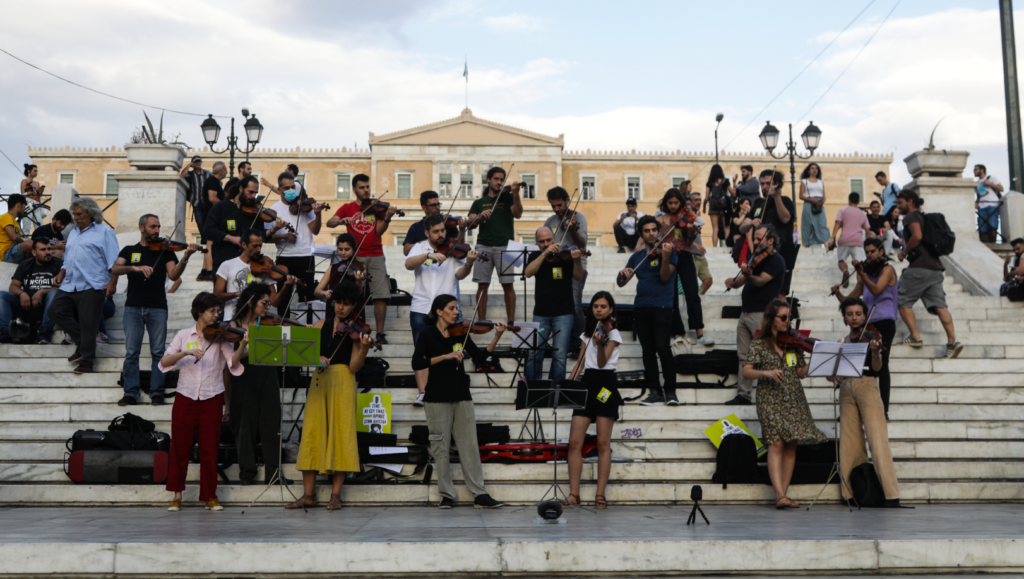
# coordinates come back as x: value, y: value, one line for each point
x: 496, y: 218
x: 234, y: 274
x: 877, y: 284
x: 226, y: 222
x: 570, y: 225
x: 367, y: 228
x: 295, y: 245
x: 145, y: 307
x: 431, y: 205
x: 761, y: 285
x: 555, y: 271
x: 862, y: 411
x: 777, y: 210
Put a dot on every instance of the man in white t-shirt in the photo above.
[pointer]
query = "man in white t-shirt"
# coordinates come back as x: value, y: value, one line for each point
x: 295, y: 241
x: 234, y: 274
x: 435, y: 274
x: 625, y: 227
x: 989, y: 194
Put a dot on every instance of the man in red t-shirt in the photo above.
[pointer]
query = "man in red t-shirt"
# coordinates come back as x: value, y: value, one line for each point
x: 367, y: 230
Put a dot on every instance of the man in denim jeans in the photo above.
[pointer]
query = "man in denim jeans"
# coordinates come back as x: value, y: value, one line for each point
x: 145, y: 307
x: 554, y: 306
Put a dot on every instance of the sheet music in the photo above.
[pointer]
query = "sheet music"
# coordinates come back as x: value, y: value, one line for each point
x: 824, y: 357
x: 527, y: 338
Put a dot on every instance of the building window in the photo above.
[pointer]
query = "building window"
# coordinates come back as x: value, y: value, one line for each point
x: 466, y: 180
x: 301, y: 179
x: 588, y: 187
x: 530, y: 239
x: 444, y: 180
x: 857, y: 186
x: 529, y: 188
x: 343, y: 183
x: 110, y: 185
x: 404, y: 181
x: 634, y: 187
x: 677, y: 180
x: 399, y: 237
x: 66, y: 177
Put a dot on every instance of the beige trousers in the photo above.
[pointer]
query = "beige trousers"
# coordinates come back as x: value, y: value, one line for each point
x: 748, y: 325
x: 862, y: 414
x: 446, y: 420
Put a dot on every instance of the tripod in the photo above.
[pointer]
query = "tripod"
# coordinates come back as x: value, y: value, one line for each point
x: 539, y: 345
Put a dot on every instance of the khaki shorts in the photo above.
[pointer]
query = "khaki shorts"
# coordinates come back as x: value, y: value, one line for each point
x: 482, y: 270
x: 845, y: 252
x: 377, y: 268
x: 703, y: 271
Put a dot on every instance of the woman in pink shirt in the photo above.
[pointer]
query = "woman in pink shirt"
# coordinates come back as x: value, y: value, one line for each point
x: 199, y: 402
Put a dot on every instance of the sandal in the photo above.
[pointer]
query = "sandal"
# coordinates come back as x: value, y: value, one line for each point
x: 567, y: 503
x: 783, y: 503
x: 305, y: 501
x: 335, y: 503
x: 600, y: 502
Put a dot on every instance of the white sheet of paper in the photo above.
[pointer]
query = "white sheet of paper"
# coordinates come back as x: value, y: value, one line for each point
x: 374, y: 450
x: 851, y: 364
x: 513, y: 259
x: 527, y: 334
x: 394, y: 468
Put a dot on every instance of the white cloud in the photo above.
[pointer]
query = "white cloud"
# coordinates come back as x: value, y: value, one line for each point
x: 513, y: 23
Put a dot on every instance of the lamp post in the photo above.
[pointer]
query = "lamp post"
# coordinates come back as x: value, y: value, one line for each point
x: 253, y: 133
x: 718, y: 121
x: 770, y: 139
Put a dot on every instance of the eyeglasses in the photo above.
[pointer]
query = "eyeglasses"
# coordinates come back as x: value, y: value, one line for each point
x: 265, y: 303
x: 784, y: 318
x: 432, y: 205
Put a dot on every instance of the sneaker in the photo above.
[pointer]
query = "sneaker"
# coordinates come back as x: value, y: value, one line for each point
x: 622, y: 250
x: 654, y: 399
x: 914, y: 342
x: 44, y: 339
x: 213, y: 505
x: 705, y: 341
x: 174, y: 507
x: 156, y: 400
x: 446, y: 503
x: 102, y: 338
x: 75, y: 357
x: 419, y: 400
x: 381, y: 339
x: 671, y: 399
x: 127, y: 400
x: 84, y: 368
x: 953, y: 350
x: 739, y: 400
x: 486, y: 502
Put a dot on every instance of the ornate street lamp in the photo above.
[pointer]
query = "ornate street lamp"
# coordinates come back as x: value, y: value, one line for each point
x: 770, y: 139
x: 253, y: 134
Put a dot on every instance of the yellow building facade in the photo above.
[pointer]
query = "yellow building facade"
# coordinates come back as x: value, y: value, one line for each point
x: 452, y: 157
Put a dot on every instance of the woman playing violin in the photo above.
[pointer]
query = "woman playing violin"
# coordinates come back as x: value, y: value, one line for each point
x: 343, y: 267
x: 447, y: 401
x: 878, y: 286
x: 782, y: 406
x: 234, y: 274
x: 601, y: 359
x: 328, y: 444
x: 861, y: 408
x: 295, y: 245
x: 678, y: 217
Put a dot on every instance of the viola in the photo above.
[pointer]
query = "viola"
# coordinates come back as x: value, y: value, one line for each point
x: 164, y: 244
x: 478, y: 327
x: 262, y: 265
x: 458, y: 251
x: 223, y: 331
x: 275, y: 320
x: 794, y: 339
x: 265, y: 215
x: 379, y: 209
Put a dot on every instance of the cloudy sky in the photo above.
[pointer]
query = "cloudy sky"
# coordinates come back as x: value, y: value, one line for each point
x: 609, y: 75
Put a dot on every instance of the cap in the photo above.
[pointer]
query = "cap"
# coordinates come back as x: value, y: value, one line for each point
x: 630, y: 201
x: 196, y: 158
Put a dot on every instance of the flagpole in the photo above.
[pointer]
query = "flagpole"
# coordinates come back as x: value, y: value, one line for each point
x: 465, y: 73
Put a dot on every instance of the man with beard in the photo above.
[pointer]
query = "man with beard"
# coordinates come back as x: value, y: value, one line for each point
x: 145, y: 307
x: 234, y: 274
x: 226, y: 222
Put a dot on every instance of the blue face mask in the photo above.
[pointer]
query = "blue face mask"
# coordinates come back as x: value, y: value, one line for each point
x: 291, y: 195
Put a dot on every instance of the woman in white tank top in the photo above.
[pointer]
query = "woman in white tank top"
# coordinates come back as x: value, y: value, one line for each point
x: 813, y: 222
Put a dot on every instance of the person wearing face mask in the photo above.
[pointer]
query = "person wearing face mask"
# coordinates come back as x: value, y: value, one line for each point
x: 295, y: 245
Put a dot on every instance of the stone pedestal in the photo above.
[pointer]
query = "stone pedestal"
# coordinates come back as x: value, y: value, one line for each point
x: 61, y: 196
x: 162, y: 193
x: 1011, y: 216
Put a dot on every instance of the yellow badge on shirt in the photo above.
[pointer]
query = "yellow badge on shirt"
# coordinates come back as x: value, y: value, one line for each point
x: 790, y: 359
x: 556, y: 273
x: 428, y: 262
x: 679, y: 233
x: 250, y: 278
x: 456, y: 347
x: 655, y: 262
x: 371, y: 219
x: 136, y: 257
x: 192, y: 346
x: 604, y: 395
x: 757, y: 212
x: 231, y: 225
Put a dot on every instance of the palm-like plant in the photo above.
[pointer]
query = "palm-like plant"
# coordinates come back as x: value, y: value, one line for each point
x: 154, y: 136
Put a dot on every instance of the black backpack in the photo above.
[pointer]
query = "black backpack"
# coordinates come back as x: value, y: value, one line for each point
x: 867, y: 490
x: 372, y: 374
x: 937, y: 237
x: 736, y: 462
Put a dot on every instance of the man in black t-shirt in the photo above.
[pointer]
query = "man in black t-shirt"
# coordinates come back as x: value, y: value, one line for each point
x: 213, y: 193
x: 776, y: 210
x: 31, y: 290
x: 226, y: 222
x: 145, y: 307
x: 554, y: 307
x: 431, y: 205
x: 761, y: 285
x: 53, y: 232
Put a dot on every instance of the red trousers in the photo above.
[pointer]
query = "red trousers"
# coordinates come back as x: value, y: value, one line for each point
x: 186, y: 416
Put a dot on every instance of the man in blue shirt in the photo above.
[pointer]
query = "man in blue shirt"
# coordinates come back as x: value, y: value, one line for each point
x: 654, y: 267
x: 84, y: 280
x: 889, y: 192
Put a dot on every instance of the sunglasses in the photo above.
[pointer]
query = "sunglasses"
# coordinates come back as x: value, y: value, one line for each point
x: 784, y: 318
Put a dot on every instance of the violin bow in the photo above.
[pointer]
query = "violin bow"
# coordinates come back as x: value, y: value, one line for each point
x: 651, y: 252
x: 354, y: 315
x: 570, y: 212
x: 258, y: 209
x: 162, y: 249
x: 867, y: 321
x: 348, y: 265
x: 238, y: 312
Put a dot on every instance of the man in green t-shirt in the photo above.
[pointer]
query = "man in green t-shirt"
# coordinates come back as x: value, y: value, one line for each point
x: 496, y: 230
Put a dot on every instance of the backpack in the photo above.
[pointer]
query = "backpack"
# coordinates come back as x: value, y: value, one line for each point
x: 372, y: 374
x: 736, y: 461
x: 937, y: 238
x: 864, y: 485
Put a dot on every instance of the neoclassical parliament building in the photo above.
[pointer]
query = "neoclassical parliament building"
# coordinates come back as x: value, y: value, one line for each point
x: 453, y: 156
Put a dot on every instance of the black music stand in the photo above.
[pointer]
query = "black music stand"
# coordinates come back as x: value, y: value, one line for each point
x: 561, y: 394
x: 540, y: 345
x: 509, y: 268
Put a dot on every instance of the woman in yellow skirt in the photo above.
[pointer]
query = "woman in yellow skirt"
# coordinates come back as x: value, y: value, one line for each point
x: 329, y: 429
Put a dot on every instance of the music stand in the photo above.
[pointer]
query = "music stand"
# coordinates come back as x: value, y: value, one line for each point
x: 539, y: 345
x: 507, y: 268
x: 561, y: 394
x: 836, y: 360
x: 283, y: 347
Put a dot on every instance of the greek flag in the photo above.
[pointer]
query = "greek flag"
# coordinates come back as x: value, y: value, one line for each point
x: 465, y: 71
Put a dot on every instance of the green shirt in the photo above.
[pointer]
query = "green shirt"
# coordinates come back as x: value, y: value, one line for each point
x: 498, y: 230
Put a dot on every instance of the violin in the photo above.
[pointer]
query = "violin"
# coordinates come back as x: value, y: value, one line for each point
x: 305, y: 204
x: 164, y: 244
x: 794, y: 339
x: 866, y: 336
x: 479, y: 327
x: 379, y: 209
x: 451, y: 221
x: 871, y: 266
x: 345, y: 269
x: 263, y: 265
x: 566, y: 252
x: 265, y: 215
x: 223, y: 331
x: 604, y: 328
x: 458, y: 251
x: 275, y: 320
x: 355, y: 330
x: 754, y: 262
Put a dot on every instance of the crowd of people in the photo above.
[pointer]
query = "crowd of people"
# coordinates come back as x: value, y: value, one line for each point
x: 68, y: 280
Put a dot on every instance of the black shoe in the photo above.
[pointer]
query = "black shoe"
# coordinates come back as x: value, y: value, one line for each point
x: 486, y: 502
x: 246, y: 482
x: 446, y: 503
x: 622, y: 250
x: 891, y: 504
x: 84, y: 368
x: 671, y: 399
x: 381, y: 339
x: 654, y: 399
x: 127, y: 400
x: 287, y: 481
x: 739, y: 400
x: 76, y: 356
x: 156, y: 400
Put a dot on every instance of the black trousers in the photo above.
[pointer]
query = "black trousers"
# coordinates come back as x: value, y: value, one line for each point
x: 623, y: 239
x: 888, y: 330
x: 789, y: 253
x: 687, y: 272
x: 653, y: 327
x: 301, y: 267
x: 256, y: 415
x: 89, y: 307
